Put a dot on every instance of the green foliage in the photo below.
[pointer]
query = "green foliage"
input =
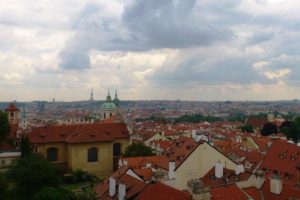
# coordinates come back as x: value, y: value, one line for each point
x: 248, y: 129
x: 25, y: 147
x: 291, y: 129
x: 86, y: 193
x: 138, y: 149
x: 80, y: 176
x: 4, y: 187
x: 32, y: 173
x: 269, y: 129
x: 50, y: 193
x: 4, y: 126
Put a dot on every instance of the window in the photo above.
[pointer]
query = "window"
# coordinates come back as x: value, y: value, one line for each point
x: 11, y: 114
x: 92, y: 154
x: 116, y: 149
x: 104, y: 116
x: 52, y: 154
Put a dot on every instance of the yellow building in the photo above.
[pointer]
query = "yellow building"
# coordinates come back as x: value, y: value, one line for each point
x: 95, y: 148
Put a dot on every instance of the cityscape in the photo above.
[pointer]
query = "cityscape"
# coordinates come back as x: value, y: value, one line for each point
x: 149, y: 100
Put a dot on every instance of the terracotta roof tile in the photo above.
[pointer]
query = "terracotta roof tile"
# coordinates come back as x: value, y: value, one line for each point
x: 79, y: 133
x: 159, y: 191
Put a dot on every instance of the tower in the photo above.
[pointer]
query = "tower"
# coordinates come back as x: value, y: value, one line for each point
x: 13, y: 113
x: 108, y: 98
x: 92, y: 95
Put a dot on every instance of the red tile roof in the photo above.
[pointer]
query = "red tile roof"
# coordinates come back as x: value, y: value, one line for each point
x: 230, y: 174
x: 254, y: 193
x: 12, y: 107
x: 79, y: 133
x: 138, y: 162
x: 287, y: 192
x: 231, y: 192
x: 159, y: 191
x: 286, y: 164
x: 179, y: 151
x: 133, y: 185
x: 256, y: 122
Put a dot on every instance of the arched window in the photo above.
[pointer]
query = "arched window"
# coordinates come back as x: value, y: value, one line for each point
x: 52, y: 154
x: 92, y: 154
x: 104, y: 116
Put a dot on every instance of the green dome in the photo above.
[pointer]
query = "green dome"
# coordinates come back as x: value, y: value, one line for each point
x: 108, y: 105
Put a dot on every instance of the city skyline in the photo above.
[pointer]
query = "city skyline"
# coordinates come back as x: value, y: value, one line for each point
x: 154, y: 50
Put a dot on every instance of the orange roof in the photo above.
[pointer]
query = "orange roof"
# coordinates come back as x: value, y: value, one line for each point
x: 287, y: 192
x: 253, y: 192
x: 137, y: 162
x: 282, y: 157
x: 79, y: 133
x: 133, y: 185
x: 226, y: 192
x: 230, y: 174
x: 256, y: 122
x: 12, y: 107
x: 161, y: 191
x: 179, y: 150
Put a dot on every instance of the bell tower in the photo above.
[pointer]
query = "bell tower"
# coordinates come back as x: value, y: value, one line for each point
x: 13, y: 113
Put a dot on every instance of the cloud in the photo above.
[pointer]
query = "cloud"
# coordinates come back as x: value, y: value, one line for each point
x: 140, y: 26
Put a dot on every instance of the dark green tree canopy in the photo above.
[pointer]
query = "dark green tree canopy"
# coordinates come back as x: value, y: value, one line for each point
x: 248, y: 129
x: 49, y: 193
x: 138, y: 149
x: 4, y: 126
x: 269, y: 129
x: 32, y: 173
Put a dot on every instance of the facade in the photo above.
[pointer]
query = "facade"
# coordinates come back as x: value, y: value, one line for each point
x: 110, y: 107
x: 95, y: 148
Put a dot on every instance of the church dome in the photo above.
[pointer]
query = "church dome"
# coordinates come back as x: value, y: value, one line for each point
x: 108, y: 105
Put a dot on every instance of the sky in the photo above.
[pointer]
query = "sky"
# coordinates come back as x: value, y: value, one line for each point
x: 149, y: 49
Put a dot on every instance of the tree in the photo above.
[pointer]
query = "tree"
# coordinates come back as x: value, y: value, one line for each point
x: 285, y: 127
x: 25, y: 146
x: 50, y: 193
x: 4, y: 126
x: 269, y: 129
x: 248, y: 129
x: 4, y: 194
x: 138, y: 149
x: 32, y: 173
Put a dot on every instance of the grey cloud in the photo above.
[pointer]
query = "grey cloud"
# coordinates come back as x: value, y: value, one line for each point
x: 145, y: 25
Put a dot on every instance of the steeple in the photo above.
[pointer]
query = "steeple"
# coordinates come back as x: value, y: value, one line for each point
x: 116, y: 100
x: 108, y: 98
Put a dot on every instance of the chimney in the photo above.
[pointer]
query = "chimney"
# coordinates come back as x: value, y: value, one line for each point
x: 197, y: 137
x: 172, y: 166
x: 122, y: 191
x: 112, y: 186
x: 148, y: 164
x: 219, y: 170
x: 239, y: 169
x: 259, y: 178
x: 276, y: 184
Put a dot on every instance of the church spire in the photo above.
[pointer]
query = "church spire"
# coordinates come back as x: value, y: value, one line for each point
x: 108, y: 98
x: 116, y: 100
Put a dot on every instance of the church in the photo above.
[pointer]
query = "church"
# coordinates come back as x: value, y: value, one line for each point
x: 110, y: 107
